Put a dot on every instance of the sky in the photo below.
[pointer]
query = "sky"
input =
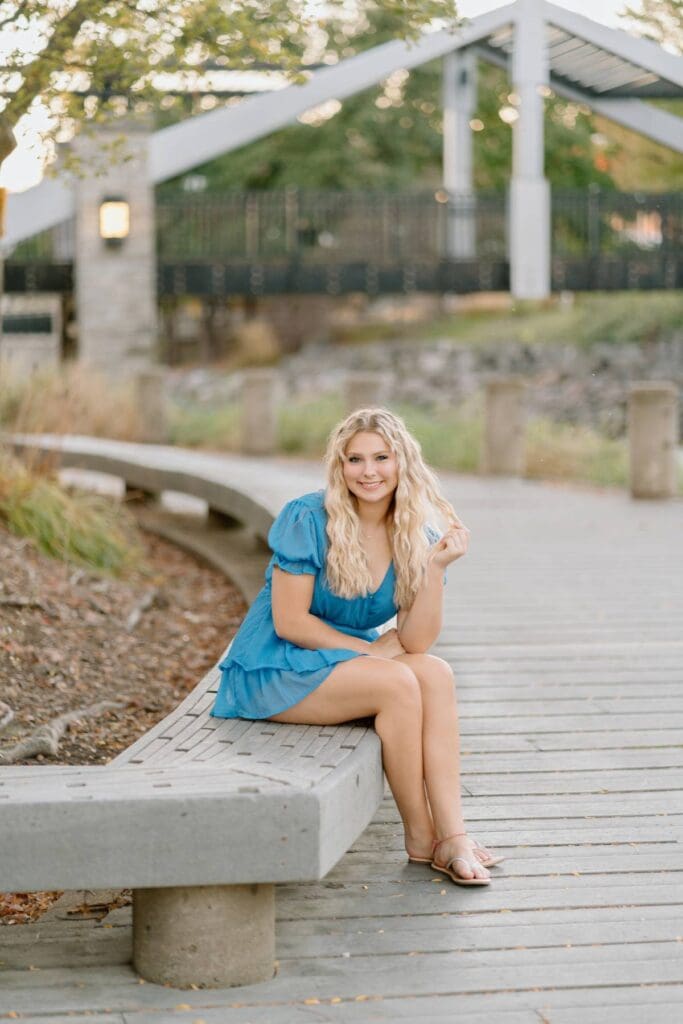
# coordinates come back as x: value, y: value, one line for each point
x: 24, y: 167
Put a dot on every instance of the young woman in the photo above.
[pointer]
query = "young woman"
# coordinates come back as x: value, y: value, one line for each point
x: 345, y: 561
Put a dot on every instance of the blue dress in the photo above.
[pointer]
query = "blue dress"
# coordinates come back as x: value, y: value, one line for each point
x: 262, y: 674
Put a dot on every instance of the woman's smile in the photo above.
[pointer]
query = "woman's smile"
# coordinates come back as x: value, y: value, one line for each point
x: 369, y: 452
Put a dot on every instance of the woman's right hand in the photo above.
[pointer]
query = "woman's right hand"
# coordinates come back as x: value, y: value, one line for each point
x: 387, y: 645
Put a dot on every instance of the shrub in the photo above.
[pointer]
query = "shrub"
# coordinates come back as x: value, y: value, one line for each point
x: 80, y: 528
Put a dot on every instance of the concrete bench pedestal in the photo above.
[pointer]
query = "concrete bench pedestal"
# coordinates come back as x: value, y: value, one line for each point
x: 212, y: 936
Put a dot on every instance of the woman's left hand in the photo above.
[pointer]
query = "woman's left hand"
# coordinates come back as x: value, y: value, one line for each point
x: 452, y: 545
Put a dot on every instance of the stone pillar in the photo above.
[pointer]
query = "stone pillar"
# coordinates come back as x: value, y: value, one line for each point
x: 212, y: 936
x: 116, y: 293
x: 529, y: 214
x: 151, y: 400
x: 504, y: 421
x: 259, y: 412
x: 653, y: 439
x: 363, y: 390
x: 459, y: 99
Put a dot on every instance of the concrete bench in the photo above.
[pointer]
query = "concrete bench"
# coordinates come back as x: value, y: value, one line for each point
x: 200, y: 817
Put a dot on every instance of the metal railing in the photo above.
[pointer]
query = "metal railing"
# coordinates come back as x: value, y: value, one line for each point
x: 330, y: 227
x: 599, y: 238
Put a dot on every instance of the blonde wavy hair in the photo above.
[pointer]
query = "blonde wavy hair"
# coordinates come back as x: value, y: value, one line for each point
x: 417, y: 494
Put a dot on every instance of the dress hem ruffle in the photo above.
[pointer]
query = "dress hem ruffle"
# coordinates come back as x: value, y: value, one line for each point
x: 227, y: 694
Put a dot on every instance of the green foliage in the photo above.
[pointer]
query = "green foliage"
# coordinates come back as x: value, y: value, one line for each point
x: 659, y: 20
x: 635, y: 161
x: 449, y: 438
x: 594, y: 318
x: 304, y: 425
x: 570, y: 154
x: 79, y: 528
x: 562, y: 451
x: 195, y: 425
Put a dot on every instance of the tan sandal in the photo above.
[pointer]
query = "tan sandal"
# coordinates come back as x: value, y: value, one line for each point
x: 448, y: 870
x: 419, y: 860
x: 490, y: 863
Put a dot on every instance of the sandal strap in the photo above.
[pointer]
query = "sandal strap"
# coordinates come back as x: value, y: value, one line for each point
x: 438, y: 842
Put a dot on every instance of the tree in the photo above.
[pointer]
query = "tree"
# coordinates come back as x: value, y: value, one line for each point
x: 659, y: 20
x: 89, y: 61
x: 638, y: 161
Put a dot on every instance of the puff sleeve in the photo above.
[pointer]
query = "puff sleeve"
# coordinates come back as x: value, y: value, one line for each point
x: 294, y: 541
x: 433, y: 535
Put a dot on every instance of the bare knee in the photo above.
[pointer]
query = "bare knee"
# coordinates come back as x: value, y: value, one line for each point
x: 435, y: 676
x: 399, y: 687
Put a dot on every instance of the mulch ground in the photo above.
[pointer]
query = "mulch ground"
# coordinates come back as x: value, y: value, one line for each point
x: 70, y: 638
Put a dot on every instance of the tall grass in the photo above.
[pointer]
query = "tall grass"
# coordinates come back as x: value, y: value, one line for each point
x: 82, y: 529
x: 71, y: 400
x: 205, y: 426
x: 562, y: 451
x: 304, y: 425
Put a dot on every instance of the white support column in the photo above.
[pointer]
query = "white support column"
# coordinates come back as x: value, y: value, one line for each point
x: 116, y: 301
x: 459, y: 99
x: 529, y: 189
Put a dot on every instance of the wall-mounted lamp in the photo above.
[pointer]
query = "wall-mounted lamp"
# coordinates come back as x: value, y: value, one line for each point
x: 114, y: 220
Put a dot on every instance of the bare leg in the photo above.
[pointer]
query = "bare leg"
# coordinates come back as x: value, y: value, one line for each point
x: 441, y: 758
x: 390, y: 691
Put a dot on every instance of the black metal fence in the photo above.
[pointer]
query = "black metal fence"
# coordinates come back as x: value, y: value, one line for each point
x: 305, y: 240
x: 327, y: 227
x: 609, y: 240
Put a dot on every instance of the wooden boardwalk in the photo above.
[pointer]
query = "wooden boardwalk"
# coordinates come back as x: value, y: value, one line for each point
x: 564, y: 625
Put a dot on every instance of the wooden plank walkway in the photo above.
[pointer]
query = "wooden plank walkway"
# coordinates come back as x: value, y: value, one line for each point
x: 564, y: 625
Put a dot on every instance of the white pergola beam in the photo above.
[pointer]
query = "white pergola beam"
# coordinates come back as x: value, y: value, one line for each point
x: 529, y: 196
x: 37, y: 209
x: 183, y: 146
x: 459, y: 101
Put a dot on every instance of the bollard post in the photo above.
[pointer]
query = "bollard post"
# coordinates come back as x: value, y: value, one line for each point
x: 653, y: 439
x: 504, y: 421
x: 259, y: 412
x: 151, y: 401
x: 363, y: 390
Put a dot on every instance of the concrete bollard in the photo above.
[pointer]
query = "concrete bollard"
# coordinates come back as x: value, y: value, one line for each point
x: 363, y: 390
x: 653, y: 439
x: 504, y: 420
x: 151, y: 399
x: 212, y: 936
x: 259, y: 412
